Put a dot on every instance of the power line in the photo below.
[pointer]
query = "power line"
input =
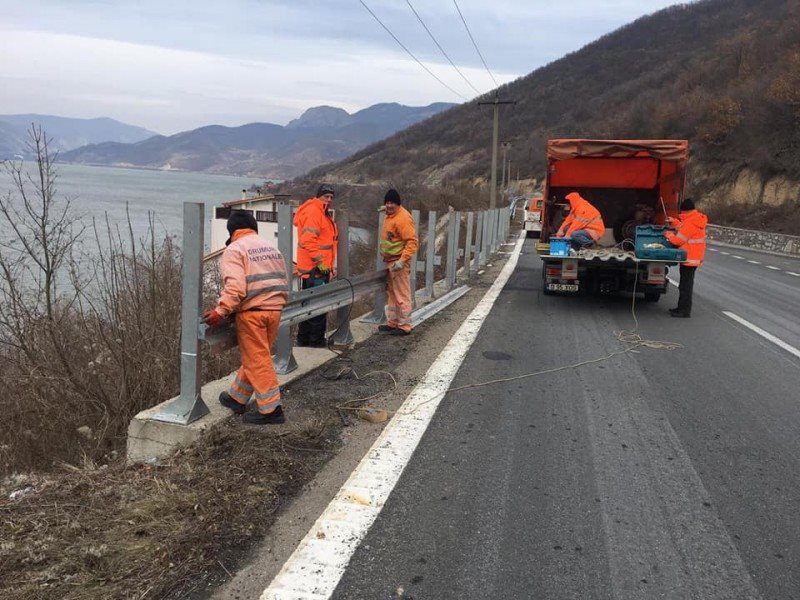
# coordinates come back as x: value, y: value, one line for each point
x: 463, y: 20
x: 411, y: 54
x: 416, y: 14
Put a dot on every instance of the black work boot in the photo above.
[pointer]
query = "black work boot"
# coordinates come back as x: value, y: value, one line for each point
x: 386, y: 328
x: 674, y: 310
x: 276, y: 417
x: 398, y: 331
x: 228, y: 402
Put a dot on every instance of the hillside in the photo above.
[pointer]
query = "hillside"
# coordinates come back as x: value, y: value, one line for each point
x: 723, y: 73
x: 322, y: 134
x: 67, y: 133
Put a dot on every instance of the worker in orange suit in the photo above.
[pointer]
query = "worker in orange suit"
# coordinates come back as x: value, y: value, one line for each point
x: 255, y: 289
x: 584, y: 224
x: 398, y: 245
x: 691, y: 236
x: 317, y: 237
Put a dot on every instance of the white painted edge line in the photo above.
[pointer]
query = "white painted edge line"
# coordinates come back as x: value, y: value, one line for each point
x: 315, y: 567
x: 792, y: 273
x: 765, y: 334
x: 672, y: 281
x: 739, y: 257
x: 773, y: 268
x: 754, y: 262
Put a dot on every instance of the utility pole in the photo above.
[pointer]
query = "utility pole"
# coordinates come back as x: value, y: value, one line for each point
x: 496, y: 103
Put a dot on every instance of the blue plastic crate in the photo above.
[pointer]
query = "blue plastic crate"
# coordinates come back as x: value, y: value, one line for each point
x: 560, y: 246
x: 654, y: 234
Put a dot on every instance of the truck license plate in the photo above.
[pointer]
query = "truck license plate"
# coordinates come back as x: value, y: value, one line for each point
x: 562, y: 287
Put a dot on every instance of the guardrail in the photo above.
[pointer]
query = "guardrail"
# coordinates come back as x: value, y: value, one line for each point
x: 483, y: 232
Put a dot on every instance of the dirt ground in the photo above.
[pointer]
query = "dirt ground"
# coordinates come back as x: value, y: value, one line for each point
x: 220, y: 518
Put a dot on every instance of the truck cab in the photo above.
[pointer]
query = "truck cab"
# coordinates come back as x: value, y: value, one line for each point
x: 533, y: 216
x: 632, y: 183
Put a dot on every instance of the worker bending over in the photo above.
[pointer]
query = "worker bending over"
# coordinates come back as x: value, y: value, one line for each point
x: 255, y: 289
x: 583, y: 224
x: 398, y: 245
x: 691, y: 236
x: 316, y: 257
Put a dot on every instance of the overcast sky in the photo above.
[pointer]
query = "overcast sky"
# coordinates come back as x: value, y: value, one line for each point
x: 172, y: 65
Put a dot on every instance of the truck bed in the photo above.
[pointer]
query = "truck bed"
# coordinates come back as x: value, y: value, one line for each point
x: 606, y: 254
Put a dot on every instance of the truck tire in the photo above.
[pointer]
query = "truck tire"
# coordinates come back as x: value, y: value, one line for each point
x: 652, y: 296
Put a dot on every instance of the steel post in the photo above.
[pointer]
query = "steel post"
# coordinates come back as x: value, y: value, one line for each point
x: 189, y: 406
x: 452, y: 248
x: 413, y: 275
x: 378, y: 314
x: 342, y: 336
x: 283, y: 356
x: 430, y: 254
x: 468, y: 245
x: 479, y: 239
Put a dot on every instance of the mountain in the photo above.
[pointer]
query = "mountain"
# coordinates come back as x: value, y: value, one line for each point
x: 67, y: 133
x: 321, y: 134
x: 724, y: 74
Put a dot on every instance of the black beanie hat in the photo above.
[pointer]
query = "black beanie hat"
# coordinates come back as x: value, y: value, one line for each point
x: 240, y: 219
x: 325, y: 188
x: 687, y: 204
x: 392, y: 196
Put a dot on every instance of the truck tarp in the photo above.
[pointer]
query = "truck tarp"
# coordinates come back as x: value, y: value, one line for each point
x: 666, y: 150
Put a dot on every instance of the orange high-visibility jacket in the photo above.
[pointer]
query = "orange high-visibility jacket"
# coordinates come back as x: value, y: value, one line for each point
x: 582, y: 216
x: 316, y: 236
x: 399, y: 237
x: 691, y: 236
x: 253, y: 274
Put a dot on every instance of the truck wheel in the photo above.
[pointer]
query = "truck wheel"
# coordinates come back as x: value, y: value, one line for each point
x: 652, y: 296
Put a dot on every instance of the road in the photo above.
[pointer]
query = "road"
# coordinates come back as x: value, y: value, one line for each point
x: 656, y: 474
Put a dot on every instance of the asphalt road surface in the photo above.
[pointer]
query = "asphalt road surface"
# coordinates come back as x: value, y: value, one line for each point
x: 657, y: 474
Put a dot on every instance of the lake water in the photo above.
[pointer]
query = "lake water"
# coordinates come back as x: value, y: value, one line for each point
x: 100, y: 191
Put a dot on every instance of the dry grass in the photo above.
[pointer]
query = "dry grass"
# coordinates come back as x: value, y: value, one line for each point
x: 152, y: 532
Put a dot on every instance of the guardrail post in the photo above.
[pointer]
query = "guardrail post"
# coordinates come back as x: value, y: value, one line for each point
x: 378, y: 314
x: 478, y: 240
x: 342, y: 336
x: 283, y: 356
x: 430, y: 254
x: 413, y: 275
x: 494, y: 230
x: 453, y: 230
x: 468, y: 245
x: 485, y: 239
x: 189, y: 406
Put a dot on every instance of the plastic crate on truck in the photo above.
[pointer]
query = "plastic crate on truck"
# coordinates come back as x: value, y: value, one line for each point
x: 654, y: 234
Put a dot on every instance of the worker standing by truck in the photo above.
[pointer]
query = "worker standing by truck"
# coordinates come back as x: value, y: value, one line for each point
x: 691, y: 236
x: 316, y: 256
x: 255, y: 290
x: 398, y: 246
x: 584, y: 224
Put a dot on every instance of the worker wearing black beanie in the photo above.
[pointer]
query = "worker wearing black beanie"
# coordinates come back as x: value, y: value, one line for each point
x: 392, y: 196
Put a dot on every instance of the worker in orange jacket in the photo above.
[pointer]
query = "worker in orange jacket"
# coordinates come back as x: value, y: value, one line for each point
x: 317, y: 237
x: 584, y: 224
x: 691, y: 236
x: 255, y: 289
x: 398, y: 245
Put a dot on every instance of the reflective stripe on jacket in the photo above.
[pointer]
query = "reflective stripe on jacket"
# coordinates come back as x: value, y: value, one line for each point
x: 582, y: 215
x: 316, y: 236
x: 399, y: 237
x: 253, y: 275
x: 691, y: 236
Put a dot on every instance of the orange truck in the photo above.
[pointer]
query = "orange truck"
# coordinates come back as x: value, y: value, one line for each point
x: 634, y: 184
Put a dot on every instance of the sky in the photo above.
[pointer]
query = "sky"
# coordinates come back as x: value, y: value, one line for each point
x: 174, y: 65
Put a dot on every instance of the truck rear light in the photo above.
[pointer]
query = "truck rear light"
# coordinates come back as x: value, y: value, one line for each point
x: 569, y: 269
x: 553, y: 272
x: 656, y: 273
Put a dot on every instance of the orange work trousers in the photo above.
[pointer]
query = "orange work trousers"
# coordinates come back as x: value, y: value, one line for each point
x: 398, y: 307
x: 256, y: 331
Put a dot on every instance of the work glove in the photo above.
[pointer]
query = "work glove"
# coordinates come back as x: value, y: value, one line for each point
x: 323, y: 268
x: 213, y: 318
x: 397, y: 265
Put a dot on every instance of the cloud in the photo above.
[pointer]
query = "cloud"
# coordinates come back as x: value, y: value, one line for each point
x: 181, y: 64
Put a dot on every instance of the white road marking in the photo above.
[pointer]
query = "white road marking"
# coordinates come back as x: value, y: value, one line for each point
x: 672, y: 281
x: 739, y: 257
x: 314, y: 569
x: 713, y: 250
x: 754, y: 262
x: 726, y: 253
x: 766, y: 335
x: 773, y: 268
x: 793, y: 273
